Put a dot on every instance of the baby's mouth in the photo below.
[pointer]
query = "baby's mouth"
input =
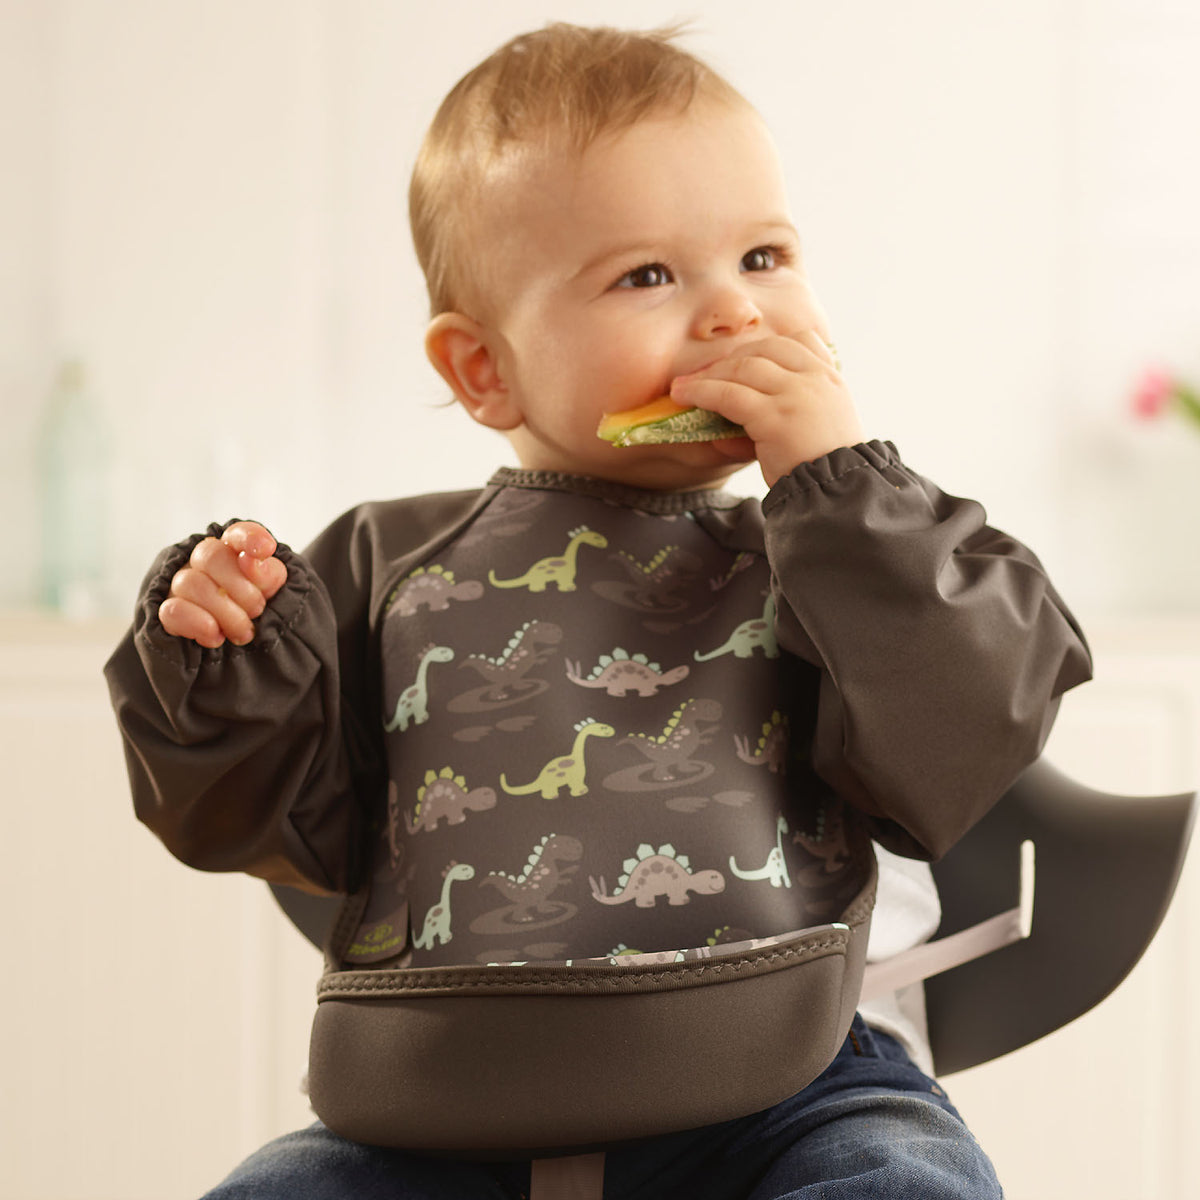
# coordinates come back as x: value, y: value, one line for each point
x: 664, y: 421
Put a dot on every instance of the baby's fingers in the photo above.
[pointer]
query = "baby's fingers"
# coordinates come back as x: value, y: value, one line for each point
x: 820, y: 346
x: 201, y: 596
x: 255, y: 550
x: 250, y: 538
x: 268, y: 575
x: 221, y: 563
x: 186, y: 619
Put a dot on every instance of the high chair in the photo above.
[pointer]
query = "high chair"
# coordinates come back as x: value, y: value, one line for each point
x: 1047, y: 904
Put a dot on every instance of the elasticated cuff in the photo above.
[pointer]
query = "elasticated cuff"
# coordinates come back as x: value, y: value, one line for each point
x: 837, y: 467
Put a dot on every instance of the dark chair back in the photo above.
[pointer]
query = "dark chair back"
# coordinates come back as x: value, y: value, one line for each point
x: 1106, y: 869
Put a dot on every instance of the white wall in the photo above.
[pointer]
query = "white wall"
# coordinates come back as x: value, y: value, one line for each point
x: 206, y: 201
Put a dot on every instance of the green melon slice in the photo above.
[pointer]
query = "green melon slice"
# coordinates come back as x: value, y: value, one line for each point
x: 663, y: 420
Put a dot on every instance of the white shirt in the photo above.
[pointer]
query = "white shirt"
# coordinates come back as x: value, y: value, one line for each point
x: 907, y: 913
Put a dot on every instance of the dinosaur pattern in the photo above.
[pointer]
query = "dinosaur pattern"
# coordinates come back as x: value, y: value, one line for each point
x: 558, y: 570
x: 620, y: 673
x: 413, y: 704
x: 567, y: 770
x: 652, y: 874
x: 770, y: 750
x: 622, y: 691
x: 655, y: 585
x: 774, y: 870
x: 553, y: 861
x: 828, y: 843
x: 526, y: 648
x: 756, y: 634
x: 436, y: 930
x: 671, y: 751
x: 509, y: 677
x: 433, y: 588
x: 444, y: 797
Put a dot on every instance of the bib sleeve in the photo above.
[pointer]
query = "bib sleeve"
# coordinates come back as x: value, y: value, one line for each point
x: 242, y: 758
x: 942, y: 646
x: 268, y: 758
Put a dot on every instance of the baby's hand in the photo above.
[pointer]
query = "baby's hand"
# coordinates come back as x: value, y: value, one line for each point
x: 786, y: 392
x: 224, y: 587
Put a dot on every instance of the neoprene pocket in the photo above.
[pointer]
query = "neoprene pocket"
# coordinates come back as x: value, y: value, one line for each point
x: 515, y: 1061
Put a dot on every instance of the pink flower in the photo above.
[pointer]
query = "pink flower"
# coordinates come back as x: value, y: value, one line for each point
x: 1153, y: 394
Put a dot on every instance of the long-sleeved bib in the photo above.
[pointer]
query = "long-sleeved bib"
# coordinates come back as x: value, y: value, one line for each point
x: 587, y: 720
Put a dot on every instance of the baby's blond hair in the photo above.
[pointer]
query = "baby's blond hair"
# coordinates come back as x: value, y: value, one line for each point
x: 563, y: 87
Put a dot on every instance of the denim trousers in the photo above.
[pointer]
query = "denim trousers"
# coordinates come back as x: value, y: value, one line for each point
x: 871, y: 1127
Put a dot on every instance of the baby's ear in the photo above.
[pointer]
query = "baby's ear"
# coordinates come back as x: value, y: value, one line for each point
x: 466, y: 355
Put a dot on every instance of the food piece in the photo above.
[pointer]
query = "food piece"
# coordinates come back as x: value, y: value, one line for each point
x: 663, y: 420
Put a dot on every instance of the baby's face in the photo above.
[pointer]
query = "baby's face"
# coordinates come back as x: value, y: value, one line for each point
x: 654, y: 254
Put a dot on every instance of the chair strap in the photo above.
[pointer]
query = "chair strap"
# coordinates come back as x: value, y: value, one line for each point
x: 580, y: 1177
x: 932, y: 958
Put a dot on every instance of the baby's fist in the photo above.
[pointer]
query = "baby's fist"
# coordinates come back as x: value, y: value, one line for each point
x: 224, y: 587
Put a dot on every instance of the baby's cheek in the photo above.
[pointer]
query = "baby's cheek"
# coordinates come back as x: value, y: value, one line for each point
x: 628, y: 382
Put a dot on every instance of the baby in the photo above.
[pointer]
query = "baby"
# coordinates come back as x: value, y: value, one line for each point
x: 598, y: 724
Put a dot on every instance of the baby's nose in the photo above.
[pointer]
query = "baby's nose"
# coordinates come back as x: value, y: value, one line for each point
x: 725, y: 313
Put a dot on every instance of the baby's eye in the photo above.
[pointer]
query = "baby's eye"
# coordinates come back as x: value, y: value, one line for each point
x: 648, y: 275
x: 761, y: 258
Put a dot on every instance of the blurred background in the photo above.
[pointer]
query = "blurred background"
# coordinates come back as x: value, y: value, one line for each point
x: 204, y: 205
x: 209, y: 306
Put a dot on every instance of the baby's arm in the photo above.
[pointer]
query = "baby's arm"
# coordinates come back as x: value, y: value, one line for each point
x: 241, y: 756
x: 942, y: 646
x: 787, y: 393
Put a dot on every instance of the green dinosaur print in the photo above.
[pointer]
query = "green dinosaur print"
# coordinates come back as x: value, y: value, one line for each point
x: 558, y: 570
x: 567, y: 770
x: 774, y: 870
x: 437, y: 920
x: 755, y: 634
x: 413, y: 704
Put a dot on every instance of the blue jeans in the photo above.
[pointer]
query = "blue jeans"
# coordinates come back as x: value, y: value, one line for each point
x: 871, y: 1127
